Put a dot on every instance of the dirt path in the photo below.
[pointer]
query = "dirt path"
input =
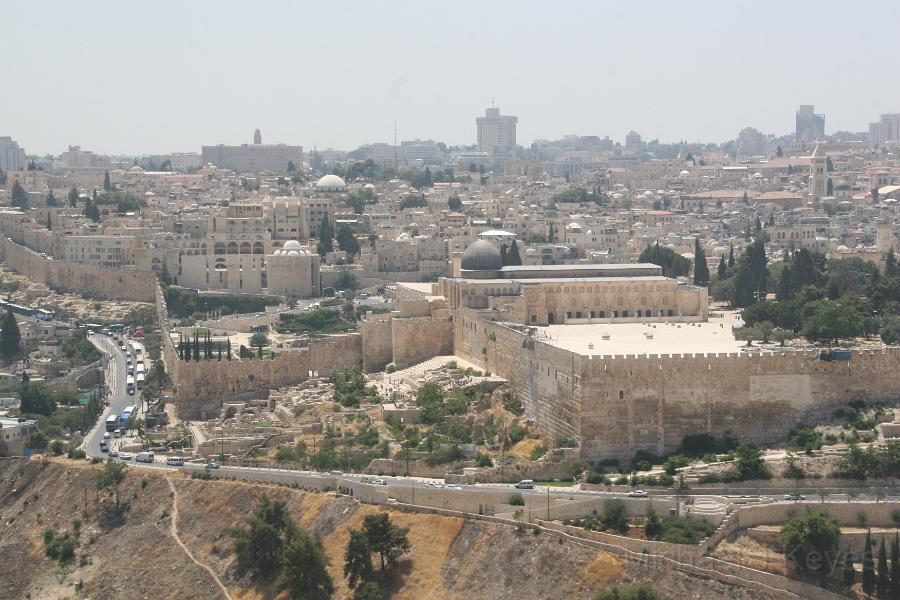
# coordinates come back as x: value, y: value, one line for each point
x: 185, y: 548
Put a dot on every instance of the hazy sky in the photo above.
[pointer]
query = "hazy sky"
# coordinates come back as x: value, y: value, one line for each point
x: 154, y: 77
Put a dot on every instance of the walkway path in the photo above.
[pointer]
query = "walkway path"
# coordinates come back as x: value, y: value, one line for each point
x: 174, y: 528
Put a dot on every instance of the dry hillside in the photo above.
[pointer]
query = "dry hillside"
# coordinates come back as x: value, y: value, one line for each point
x: 138, y: 557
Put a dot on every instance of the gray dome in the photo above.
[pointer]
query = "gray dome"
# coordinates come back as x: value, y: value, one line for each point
x: 481, y: 256
x: 842, y: 184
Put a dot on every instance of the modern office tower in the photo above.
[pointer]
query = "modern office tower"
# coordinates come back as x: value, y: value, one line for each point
x: 496, y: 132
x: 810, y: 126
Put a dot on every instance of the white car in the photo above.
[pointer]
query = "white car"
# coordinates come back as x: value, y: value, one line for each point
x: 124, y: 456
x: 113, y: 453
x: 638, y: 494
x: 379, y: 482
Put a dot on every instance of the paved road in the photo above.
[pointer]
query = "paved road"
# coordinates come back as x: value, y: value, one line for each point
x: 119, y: 399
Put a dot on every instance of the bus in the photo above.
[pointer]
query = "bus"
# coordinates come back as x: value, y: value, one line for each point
x: 112, y: 423
x: 129, y: 384
x: 126, y: 416
x: 136, y: 349
x: 139, y: 379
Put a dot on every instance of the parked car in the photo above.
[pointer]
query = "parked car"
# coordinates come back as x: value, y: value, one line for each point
x: 113, y: 453
x: 212, y: 465
x: 525, y: 484
x: 124, y: 456
x: 379, y: 482
x: 638, y: 494
x: 794, y: 497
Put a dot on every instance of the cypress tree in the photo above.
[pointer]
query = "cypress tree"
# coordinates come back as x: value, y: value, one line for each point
x: 730, y: 256
x: 868, y: 576
x: 701, y: 269
x: 849, y: 570
x: 219, y: 347
x: 890, y: 264
x: 228, y: 348
x: 107, y: 186
x: 883, y: 582
x: 785, y: 285
x: 196, y: 349
x: 187, y: 351
x: 895, y: 569
x: 722, y: 272
x: 514, y: 258
x: 10, y: 337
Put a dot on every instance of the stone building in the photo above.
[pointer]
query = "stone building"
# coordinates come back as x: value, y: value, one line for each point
x: 293, y: 271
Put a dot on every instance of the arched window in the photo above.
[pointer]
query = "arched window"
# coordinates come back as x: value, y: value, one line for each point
x: 258, y: 248
x: 232, y: 248
x: 245, y: 248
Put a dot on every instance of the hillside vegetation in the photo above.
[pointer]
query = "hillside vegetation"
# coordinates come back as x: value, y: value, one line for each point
x: 99, y: 551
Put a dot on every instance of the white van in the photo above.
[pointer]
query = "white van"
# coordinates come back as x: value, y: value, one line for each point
x: 174, y: 461
x: 525, y: 484
x: 106, y: 435
x: 146, y: 457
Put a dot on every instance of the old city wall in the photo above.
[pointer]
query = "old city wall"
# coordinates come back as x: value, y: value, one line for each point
x: 539, y: 373
x: 616, y: 405
x: 651, y: 402
x: 87, y: 280
x: 377, y: 343
x: 420, y: 338
x: 202, y: 386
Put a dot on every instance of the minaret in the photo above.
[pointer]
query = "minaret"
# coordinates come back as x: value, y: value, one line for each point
x: 818, y: 175
x: 257, y: 137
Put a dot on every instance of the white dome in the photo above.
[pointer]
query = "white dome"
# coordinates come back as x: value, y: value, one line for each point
x: 331, y: 183
x: 292, y: 245
x: 369, y: 186
x: 842, y: 248
x: 648, y: 194
x: 684, y: 173
x: 293, y: 253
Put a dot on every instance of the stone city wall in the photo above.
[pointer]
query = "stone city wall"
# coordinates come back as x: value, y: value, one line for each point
x: 377, y: 342
x: 87, y: 280
x: 616, y: 405
x: 420, y: 338
x: 202, y: 387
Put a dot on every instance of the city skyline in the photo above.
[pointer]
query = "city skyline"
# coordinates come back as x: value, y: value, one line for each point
x: 311, y: 77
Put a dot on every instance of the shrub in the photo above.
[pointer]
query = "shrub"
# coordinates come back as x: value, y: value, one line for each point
x: 537, y: 452
x: 516, y: 500
x: 483, y: 460
x: 566, y: 442
x: 516, y: 433
x: 614, y: 516
x: 597, y: 478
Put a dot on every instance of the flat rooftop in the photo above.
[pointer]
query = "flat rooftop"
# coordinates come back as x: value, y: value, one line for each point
x: 585, y: 267
x: 530, y: 280
x: 631, y: 338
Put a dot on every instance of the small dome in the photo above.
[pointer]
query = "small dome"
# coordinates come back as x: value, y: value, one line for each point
x: 369, y: 186
x: 842, y: 248
x: 331, y: 183
x: 842, y: 184
x: 293, y: 253
x: 481, y: 256
x: 292, y: 245
x: 684, y: 173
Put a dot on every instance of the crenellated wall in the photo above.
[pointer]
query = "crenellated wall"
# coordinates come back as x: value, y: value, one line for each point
x: 616, y: 405
x: 202, y: 386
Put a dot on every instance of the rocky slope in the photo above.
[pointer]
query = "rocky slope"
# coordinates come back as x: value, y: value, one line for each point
x: 137, y: 556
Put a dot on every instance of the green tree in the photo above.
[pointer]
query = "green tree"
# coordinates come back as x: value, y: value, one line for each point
x: 640, y: 592
x: 112, y: 474
x: 358, y: 559
x: 701, y: 269
x: 750, y: 463
x: 36, y: 398
x: 849, y: 570
x: 73, y: 197
x: 868, y: 576
x: 10, y: 337
x: 890, y: 264
x: 51, y: 199
x: 347, y: 241
x: 368, y: 591
x: 259, y: 339
x: 513, y: 257
x: 18, y: 195
x: 347, y: 280
x: 831, y: 320
x: 387, y: 540
x: 614, y: 516
x: 653, y: 528
x: 722, y: 269
x: 304, y: 573
x: 812, y: 533
x: 326, y: 237
x: 454, y: 203
x: 883, y: 577
x: 259, y: 546
x: 107, y: 186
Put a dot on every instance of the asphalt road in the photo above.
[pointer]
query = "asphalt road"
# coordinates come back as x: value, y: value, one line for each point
x: 119, y: 399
